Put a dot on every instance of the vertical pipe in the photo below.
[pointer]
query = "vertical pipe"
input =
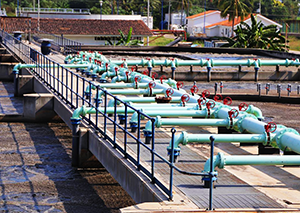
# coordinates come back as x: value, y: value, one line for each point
x: 125, y: 132
x: 75, y: 142
x: 115, y: 120
x: 138, y: 140
x: 169, y: 22
x: 148, y: 23
x: 105, y: 114
x: 162, y: 15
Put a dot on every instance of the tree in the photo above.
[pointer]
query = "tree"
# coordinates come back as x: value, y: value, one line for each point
x: 235, y: 8
x: 257, y: 36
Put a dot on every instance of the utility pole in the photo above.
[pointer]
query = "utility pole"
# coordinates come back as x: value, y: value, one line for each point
x: 38, y: 24
x: 162, y: 15
x: 148, y: 23
x: 259, y: 6
x: 169, y: 22
x: 181, y: 23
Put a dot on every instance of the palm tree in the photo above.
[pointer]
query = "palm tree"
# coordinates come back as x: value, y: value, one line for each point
x: 257, y: 36
x: 235, y: 8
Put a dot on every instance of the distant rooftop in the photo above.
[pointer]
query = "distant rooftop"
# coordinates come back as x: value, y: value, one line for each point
x: 28, y: 10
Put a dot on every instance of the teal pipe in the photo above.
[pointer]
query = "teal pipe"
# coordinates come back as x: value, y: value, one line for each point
x: 132, y: 92
x: 185, y: 138
x: 220, y: 160
x: 175, y: 99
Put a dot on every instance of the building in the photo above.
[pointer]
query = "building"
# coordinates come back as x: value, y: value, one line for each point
x: 210, y: 24
x: 73, y: 13
x: 177, y: 19
x: 86, y: 31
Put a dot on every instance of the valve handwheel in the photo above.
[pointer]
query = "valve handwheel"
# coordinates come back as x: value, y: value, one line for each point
x: 169, y: 92
x: 233, y: 113
x: 137, y: 78
x: 271, y: 127
x: 152, y: 84
x: 185, y: 98
x: 154, y: 75
x: 194, y: 89
x: 201, y: 101
x: 163, y: 77
x: 210, y: 104
x: 227, y: 101
x: 218, y: 98
x: 145, y: 72
x: 179, y: 84
x: 205, y: 94
x: 243, y: 106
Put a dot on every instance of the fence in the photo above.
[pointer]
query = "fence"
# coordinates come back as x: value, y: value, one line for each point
x: 70, y: 88
x: 59, y: 43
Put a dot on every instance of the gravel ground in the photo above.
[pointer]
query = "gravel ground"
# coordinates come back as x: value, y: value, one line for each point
x: 36, y: 173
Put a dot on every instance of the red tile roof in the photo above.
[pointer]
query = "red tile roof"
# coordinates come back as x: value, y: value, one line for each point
x: 202, y: 14
x: 76, y: 26
x: 228, y: 23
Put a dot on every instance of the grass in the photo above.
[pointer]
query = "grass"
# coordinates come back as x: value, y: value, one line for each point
x: 294, y: 43
x: 162, y: 41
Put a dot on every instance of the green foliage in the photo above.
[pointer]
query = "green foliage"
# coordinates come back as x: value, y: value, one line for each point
x: 125, y: 40
x: 257, y: 36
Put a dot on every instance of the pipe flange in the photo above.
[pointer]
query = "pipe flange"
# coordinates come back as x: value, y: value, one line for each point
x: 158, y: 122
x: 240, y: 121
x: 281, y: 133
x: 184, y: 136
x: 222, y: 160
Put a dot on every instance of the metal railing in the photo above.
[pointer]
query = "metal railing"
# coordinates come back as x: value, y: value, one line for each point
x: 70, y: 88
x: 55, y: 10
x: 59, y: 43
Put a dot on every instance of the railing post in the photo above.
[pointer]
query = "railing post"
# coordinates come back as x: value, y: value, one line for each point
x: 152, y: 152
x: 139, y: 143
x: 173, y: 131
x: 211, y: 175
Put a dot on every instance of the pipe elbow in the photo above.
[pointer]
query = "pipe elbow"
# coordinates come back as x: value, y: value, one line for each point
x: 16, y: 68
x: 78, y: 112
x: 255, y: 111
x: 158, y: 122
x: 218, y: 161
x: 134, y: 118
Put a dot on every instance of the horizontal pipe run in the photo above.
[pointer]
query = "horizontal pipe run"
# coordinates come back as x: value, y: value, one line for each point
x: 221, y: 160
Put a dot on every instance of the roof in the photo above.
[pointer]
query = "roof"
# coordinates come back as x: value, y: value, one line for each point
x: 76, y: 26
x: 227, y: 22
x: 202, y: 14
x: 238, y: 21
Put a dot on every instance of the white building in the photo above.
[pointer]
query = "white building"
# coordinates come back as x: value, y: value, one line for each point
x: 211, y: 24
x: 176, y: 18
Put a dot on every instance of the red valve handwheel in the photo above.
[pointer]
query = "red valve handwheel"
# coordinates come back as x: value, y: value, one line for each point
x: 227, y: 101
x: 185, y: 98
x: 154, y: 75
x: 163, y: 77
x: 137, y: 78
x: 233, y: 113
x: 210, y: 104
x: 194, y: 89
x: 271, y: 127
x: 179, y: 84
x: 243, y: 106
x: 169, y: 92
x: 152, y: 84
x: 202, y: 101
x: 218, y: 98
x: 205, y: 93
x: 145, y: 72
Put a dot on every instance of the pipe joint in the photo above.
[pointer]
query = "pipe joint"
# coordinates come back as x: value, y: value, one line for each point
x: 279, y: 135
x: 240, y: 121
x: 158, y: 122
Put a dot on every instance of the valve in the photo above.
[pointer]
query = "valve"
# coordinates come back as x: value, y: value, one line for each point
x: 137, y: 78
x: 243, y: 106
x: 289, y: 89
x: 154, y: 75
x: 232, y: 114
x: 194, y: 89
x: 201, y: 101
x: 185, y: 98
x: 116, y: 70
x: 268, y: 86
x: 151, y: 85
x: 145, y: 72
x: 210, y: 105
x: 179, y: 84
x: 127, y: 74
x: 270, y: 127
x: 221, y: 87
x: 258, y: 88
x: 216, y: 88
x: 205, y: 94
x: 169, y: 92
x: 279, y: 87
x: 218, y: 98
x: 106, y: 66
x: 163, y: 77
x: 133, y: 68
x: 227, y: 101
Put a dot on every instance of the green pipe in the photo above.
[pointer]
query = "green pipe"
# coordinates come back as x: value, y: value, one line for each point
x: 221, y: 160
x: 185, y: 138
x: 159, y: 122
x: 175, y: 99
x: 19, y: 66
x: 132, y: 92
